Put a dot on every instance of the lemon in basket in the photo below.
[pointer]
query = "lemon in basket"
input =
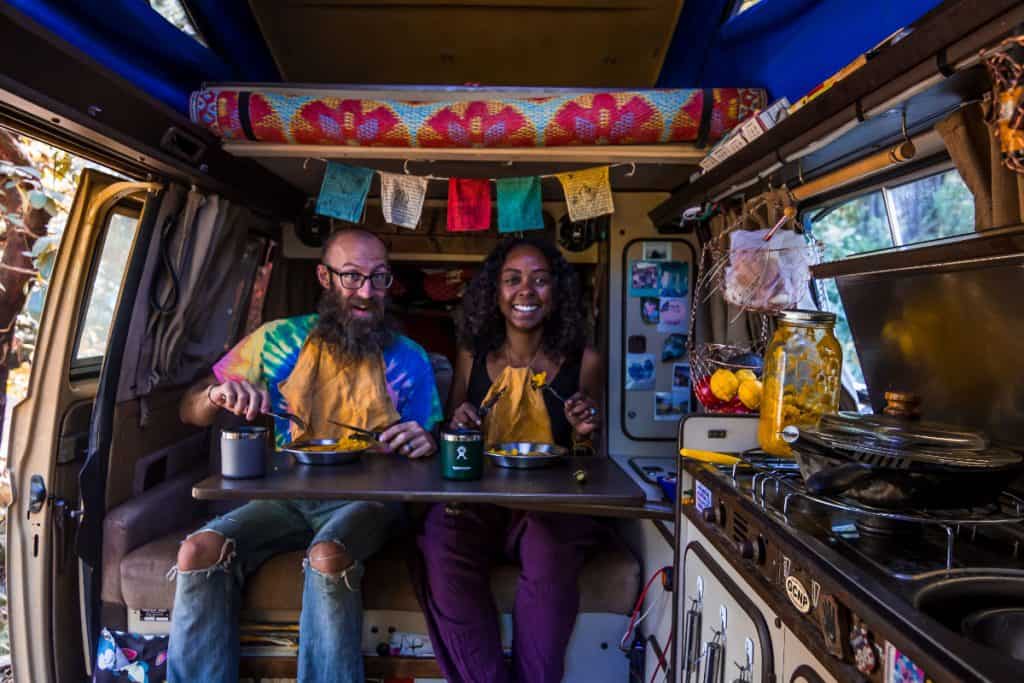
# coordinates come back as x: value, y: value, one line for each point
x: 724, y: 385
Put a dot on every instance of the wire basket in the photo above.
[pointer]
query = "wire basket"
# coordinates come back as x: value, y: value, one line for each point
x: 765, y: 280
x: 707, y: 359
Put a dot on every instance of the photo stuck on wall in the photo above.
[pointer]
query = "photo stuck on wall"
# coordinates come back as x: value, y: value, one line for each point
x: 674, y: 347
x: 643, y: 278
x: 673, y: 313
x: 639, y: 371
x: 670, y: 405
x: 650, y: 310
x: 681, y: 376
x: 657, y: 251
x: 674, y: 279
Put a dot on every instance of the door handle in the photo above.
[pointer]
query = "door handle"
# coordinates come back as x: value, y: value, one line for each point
x: 65, y: 529
x: 36, y: 494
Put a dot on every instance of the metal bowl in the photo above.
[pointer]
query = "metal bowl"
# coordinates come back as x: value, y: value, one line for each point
x: 321, y: 457
x: 542, y: 455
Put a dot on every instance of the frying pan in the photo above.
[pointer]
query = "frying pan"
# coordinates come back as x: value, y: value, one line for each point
x: 881, y: 472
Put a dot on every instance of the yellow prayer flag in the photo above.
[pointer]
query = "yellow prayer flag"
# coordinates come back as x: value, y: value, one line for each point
x: 588, y: 193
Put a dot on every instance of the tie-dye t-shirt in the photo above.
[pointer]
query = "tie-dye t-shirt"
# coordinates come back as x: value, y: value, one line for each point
x: 268, y: 355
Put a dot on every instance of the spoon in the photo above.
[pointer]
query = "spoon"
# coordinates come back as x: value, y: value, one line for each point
x: 289, y: 416
x: 486, y: 406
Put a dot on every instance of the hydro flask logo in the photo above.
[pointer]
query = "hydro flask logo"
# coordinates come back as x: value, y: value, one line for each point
x: 460, y: 453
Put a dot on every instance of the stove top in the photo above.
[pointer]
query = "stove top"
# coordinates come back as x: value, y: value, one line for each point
x: 905, y: 545
x: 908, y: 579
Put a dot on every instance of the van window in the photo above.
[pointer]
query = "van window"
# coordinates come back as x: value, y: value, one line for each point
x: 174, y: 12
x: 897, y: 214
x: 743, y: 5
x: 105, y: 288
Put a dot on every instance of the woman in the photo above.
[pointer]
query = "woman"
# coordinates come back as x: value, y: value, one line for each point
x: 522, y: 316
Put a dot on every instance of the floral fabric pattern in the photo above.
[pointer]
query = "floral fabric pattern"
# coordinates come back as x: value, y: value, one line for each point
x: 130, y: 658
x: 507, y: 121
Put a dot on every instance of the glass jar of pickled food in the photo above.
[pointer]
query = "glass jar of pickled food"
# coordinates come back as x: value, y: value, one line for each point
x: 802, y: 370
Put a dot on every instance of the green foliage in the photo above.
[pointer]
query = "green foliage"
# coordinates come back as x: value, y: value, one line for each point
x: 925, y: 209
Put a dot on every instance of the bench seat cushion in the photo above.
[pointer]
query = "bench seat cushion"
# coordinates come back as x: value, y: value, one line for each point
x: 608, y: 584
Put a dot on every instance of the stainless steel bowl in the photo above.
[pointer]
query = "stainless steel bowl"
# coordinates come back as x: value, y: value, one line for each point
x: 541, y: 455
x: 321, y: 457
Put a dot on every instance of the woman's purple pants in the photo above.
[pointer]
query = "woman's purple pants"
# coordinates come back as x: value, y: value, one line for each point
x: 459, y: 546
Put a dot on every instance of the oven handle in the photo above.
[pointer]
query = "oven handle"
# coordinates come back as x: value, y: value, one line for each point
x: 691, y: 643
x: 714, y: 669
x: 764, y: 635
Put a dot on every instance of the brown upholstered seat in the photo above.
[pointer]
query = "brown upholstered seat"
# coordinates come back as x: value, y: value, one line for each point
x: 608, y: 584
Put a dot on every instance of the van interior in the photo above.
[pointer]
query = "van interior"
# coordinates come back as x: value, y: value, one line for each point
x: 210, y: 128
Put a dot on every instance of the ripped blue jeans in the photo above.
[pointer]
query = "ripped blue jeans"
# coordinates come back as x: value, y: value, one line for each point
x: 204, y: 630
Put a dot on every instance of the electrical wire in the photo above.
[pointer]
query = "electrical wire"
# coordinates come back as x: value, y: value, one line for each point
x: 662, y: 664
x: 636, y: 610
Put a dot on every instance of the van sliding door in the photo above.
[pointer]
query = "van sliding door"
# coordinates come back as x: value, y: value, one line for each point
x: 50, y: 429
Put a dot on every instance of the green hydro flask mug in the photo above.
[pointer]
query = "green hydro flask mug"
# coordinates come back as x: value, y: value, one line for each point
x: 462, y: 454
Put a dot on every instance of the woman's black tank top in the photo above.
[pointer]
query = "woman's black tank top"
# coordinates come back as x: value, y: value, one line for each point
x: 566, y: 383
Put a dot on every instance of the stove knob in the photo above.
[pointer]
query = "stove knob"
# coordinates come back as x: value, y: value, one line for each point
x: 751, y: 549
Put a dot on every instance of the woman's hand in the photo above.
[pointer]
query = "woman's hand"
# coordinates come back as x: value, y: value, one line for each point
x: 465, y: 417
x: 582, y: 413
x: 408, y: 438
x: 240, y: 398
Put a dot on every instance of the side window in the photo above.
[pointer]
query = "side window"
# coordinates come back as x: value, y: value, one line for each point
x: 897, y: 214
x: 743, y: 5
x: 91, y: 342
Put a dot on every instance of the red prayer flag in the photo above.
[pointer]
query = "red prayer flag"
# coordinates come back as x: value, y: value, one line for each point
x: 469, y: 204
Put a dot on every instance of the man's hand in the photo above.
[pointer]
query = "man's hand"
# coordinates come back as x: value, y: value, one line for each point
x: 465, y: 417
x: 409, y: 439
x: 240, y: 398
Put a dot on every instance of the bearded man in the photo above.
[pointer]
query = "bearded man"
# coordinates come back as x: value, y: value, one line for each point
x: 346, y: 364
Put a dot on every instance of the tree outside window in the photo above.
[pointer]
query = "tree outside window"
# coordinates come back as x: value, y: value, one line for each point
x: 920, y: 210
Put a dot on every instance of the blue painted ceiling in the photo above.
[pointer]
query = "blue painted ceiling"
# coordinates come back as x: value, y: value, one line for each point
x: 785, y: 46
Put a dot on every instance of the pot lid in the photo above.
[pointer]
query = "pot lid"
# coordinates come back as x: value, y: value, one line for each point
x: 901, y: 433
x: 883, y: 455
x: 894, y: 443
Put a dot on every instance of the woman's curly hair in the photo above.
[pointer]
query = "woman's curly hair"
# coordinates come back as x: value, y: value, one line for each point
x: 482, y: 325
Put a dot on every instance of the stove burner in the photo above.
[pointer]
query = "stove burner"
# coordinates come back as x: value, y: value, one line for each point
x: 1001, y: 629
x: 885, y: 528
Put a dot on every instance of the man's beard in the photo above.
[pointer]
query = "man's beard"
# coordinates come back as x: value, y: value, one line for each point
x: 348, y: 336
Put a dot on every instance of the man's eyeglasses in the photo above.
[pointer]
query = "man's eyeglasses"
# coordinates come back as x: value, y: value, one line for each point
x: 353, y: 279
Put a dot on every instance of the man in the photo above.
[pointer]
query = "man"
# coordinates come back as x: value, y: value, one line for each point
x: 346, y: 364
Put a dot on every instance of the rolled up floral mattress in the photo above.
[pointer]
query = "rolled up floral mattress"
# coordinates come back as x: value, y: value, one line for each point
x: 598, y: 118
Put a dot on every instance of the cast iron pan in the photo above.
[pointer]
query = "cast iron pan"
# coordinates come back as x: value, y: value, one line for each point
x: 886, y: 477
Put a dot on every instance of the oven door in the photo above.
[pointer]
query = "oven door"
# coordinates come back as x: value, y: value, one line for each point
x: 726, y: 632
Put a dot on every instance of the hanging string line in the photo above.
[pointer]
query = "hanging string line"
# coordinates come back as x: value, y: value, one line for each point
x: 405, y: 170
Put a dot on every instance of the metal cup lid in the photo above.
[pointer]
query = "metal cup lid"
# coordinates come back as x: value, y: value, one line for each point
x: 247, y: 432
x: 461, y: 435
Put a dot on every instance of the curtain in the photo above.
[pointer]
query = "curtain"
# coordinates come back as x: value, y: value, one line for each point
x: 192, y: 301
x: 998, y: 191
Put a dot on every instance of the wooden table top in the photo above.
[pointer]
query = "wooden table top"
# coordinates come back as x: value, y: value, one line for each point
x: 393, y: 477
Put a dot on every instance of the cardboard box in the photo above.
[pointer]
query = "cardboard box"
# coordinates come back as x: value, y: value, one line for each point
x: 771, y: 116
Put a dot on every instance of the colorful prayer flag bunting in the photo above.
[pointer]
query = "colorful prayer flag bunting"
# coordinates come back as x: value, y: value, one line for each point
x: 401, y: 198
x: 343, y: 192
x: 519, y: 204
x: 469, y: 204
x: 588, y: 193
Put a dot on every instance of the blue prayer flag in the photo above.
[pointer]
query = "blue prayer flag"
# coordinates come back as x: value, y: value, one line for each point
x: 519, y: 204
x: 343, y: 192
